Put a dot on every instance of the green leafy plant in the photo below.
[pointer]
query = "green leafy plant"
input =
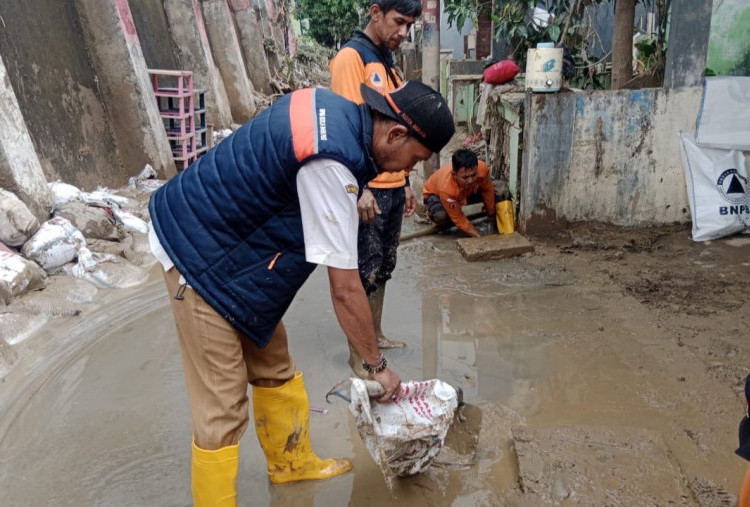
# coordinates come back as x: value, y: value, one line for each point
x: 332, y: 21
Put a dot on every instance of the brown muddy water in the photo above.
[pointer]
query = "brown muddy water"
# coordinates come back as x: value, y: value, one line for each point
x: 580, y: 391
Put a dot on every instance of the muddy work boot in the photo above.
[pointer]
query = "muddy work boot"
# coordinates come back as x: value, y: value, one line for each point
x: 375, y: 298
x: 282, y: 423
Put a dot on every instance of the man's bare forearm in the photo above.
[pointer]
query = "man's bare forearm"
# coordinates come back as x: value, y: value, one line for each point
x: 353, y: 311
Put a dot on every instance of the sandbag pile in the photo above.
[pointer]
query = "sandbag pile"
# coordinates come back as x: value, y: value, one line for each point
x: 115, y: 222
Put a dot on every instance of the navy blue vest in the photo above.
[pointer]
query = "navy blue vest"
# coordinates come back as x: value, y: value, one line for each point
x: 231, y: 221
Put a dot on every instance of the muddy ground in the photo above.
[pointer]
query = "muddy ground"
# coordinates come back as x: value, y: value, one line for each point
x: 604, y: 368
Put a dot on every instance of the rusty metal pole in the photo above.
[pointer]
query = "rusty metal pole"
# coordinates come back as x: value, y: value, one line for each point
x: 431, y: 62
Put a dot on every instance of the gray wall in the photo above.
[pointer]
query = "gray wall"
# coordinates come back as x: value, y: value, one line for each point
x: 53, y: 78
x: 159, y: 48
x: 610, y: 156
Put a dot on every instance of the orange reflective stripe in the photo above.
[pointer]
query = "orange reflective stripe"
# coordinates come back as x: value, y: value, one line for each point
x: 392, y: 104
x: 273, y: 262
x: 302, y: 121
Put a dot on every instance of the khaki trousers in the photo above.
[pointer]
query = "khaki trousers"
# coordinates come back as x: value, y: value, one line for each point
x: 219, y: 362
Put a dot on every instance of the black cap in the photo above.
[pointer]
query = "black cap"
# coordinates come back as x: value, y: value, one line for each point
x: 419, y: 108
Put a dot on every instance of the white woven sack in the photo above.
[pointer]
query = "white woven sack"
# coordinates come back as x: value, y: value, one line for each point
x: 404, y: 437
x: 717, y: 190
x: 724, y: 117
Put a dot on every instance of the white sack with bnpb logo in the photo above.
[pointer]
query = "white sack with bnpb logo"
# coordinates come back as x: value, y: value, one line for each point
x: 403, y: 437
x: 717, y: 190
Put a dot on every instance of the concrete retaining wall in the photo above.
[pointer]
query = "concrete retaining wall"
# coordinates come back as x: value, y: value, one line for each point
x: 606, y: 156
x: 20, y: 170
x: 54, y: 80
x: 125, y: 86
x: 250, y: 36
x: 188, y: 30
x: 229, y: 59
x: 76, y: 98
x: 159, y: 49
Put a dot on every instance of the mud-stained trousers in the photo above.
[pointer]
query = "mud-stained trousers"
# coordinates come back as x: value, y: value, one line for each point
x: 219, y: 363
x: 377, y: 243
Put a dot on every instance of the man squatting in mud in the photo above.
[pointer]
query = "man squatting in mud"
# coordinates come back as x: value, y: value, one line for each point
x: 240, y: 231
x: 366, y: 59
x: 464, y: 180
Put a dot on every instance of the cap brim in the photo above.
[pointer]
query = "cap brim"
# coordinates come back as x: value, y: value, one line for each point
x: 376, y: 101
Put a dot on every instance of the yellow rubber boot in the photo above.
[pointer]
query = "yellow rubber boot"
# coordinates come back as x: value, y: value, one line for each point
x: 282, y: 422
x: 504, y: 217
x: 214, y: 476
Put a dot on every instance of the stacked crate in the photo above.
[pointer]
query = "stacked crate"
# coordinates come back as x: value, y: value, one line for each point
x: 183, y: 111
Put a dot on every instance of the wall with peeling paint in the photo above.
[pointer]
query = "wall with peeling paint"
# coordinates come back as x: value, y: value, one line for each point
x: 610, y: 156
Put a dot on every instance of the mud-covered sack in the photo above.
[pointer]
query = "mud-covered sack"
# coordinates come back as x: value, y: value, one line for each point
x: 130, y: 222
x: 63, y: 193
x: 106, y: 270
x: 405, y: 436
x: 717, y: 190
x: 55, y: 243
x: 146, y: 181
x: 94, y: 221
x: 17, y: 223
x: 18, y: 275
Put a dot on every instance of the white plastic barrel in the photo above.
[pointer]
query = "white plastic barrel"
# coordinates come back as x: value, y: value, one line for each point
x: 544, y: 68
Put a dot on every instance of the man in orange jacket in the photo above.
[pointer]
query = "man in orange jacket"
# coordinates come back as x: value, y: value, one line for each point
x: 366, y: 59
x: 465, y: 180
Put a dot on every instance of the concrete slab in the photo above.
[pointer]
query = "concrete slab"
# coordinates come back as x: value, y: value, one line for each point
x: 498, y: 246
x: 598, y: 466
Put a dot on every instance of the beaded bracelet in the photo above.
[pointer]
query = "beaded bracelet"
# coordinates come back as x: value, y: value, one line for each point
x: 376, y: 367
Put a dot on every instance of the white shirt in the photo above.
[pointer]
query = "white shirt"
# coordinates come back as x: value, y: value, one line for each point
x: 328, y: 202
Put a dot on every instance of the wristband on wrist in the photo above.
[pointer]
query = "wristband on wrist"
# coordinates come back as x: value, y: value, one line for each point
x: 407, y: 181
x: 376, y: 367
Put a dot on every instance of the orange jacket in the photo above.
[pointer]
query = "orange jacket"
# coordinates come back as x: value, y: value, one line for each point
x: 442, y: 184
x: 744, y: 497
x: 348, y: 71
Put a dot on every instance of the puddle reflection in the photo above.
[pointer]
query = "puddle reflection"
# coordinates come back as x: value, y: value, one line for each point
x: 477, y: 344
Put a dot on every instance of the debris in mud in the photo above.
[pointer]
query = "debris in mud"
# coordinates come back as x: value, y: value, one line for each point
x: 597, y: 466
x: 708, y: 494
x: 594, y: 236
x: 461, y: 441
x: 8, y: 357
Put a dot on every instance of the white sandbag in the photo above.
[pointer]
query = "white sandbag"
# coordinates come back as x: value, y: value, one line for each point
x: 148, y: 173
x: 106, y: 271
x: 94, y: 221
x: 146, y: 181
x: 717, y: 190
x: 106, y: 196
x: 724, y: 117
x: 402, y: 437
x: 18, y: 275
x: 87, y: 260
x: 130, y: 222
x: 55, y: 243
x: 17, y: 223
x: 63, y: 192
